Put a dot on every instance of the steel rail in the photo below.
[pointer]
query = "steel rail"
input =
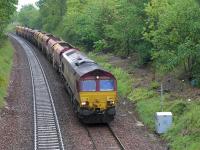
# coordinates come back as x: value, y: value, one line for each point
x: 88, y: 132
x: 116, y: 138
x: 47, y: 134
x: 121, y: 146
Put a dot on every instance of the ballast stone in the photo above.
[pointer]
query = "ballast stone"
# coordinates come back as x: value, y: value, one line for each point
x: 163, y: 121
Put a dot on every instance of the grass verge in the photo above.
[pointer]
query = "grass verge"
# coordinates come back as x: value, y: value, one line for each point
x: 6, y: 57
x: 185, y: 132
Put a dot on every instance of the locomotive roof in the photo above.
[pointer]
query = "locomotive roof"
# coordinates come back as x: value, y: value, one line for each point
x: 81, y: 63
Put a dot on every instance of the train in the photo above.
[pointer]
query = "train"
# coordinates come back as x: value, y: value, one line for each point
x: 92, y: 89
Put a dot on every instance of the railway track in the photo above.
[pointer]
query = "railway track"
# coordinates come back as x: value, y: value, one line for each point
x: 116, y: 138
x: 47, y: 134
x: 116, y: 143
x: 92, y: 140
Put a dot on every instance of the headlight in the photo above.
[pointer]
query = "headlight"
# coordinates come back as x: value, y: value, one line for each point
x: 84, y: 103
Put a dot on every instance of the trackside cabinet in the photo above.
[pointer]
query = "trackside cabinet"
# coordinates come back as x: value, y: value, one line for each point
x: 163, y: 121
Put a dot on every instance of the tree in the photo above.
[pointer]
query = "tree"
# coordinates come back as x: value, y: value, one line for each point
x: 113, y: 25
x: 28, y: 16
x: 7, y: 8
x: 127, y: 29
x: 173, y: 28
x: 51, y: 13
x: 84, y: 21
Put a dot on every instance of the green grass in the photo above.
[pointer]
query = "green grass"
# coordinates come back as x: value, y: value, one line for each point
x: 138, y: 94
x: 185, y: 131
x: 6, y: 57
x: 146, y: 110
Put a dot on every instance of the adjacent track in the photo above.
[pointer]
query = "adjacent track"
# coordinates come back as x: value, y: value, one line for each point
x: 47, y: 134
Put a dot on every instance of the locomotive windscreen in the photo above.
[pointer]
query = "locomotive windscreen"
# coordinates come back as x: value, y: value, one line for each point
x: 106, y: 85
x: 88, y: 85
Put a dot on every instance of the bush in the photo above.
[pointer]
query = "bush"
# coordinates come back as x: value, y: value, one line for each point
x: 100, y: 45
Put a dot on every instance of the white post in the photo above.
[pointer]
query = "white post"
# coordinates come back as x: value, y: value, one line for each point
x: 161, y: 96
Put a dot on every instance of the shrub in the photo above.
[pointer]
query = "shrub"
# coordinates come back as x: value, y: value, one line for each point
x: 100, y: 45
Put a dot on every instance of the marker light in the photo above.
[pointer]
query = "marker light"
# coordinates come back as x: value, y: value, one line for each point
x: 97, y: 77
x: 111, y: 102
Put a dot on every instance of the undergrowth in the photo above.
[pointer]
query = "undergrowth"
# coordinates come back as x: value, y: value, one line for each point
x: 185, y: 131
x: 6, y: 57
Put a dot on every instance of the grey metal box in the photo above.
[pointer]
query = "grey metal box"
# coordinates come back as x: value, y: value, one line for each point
x: 163, y: 121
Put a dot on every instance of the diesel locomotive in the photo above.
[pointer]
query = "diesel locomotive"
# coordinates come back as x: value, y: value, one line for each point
x: 92, y: 90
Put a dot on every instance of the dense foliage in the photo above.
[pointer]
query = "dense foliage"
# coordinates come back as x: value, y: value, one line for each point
x: 7, y: 8
x: 164, y: 31
x: 173, y: 29
x: 51, y: 13
x: 114, y: 26
x: 29, y: 16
